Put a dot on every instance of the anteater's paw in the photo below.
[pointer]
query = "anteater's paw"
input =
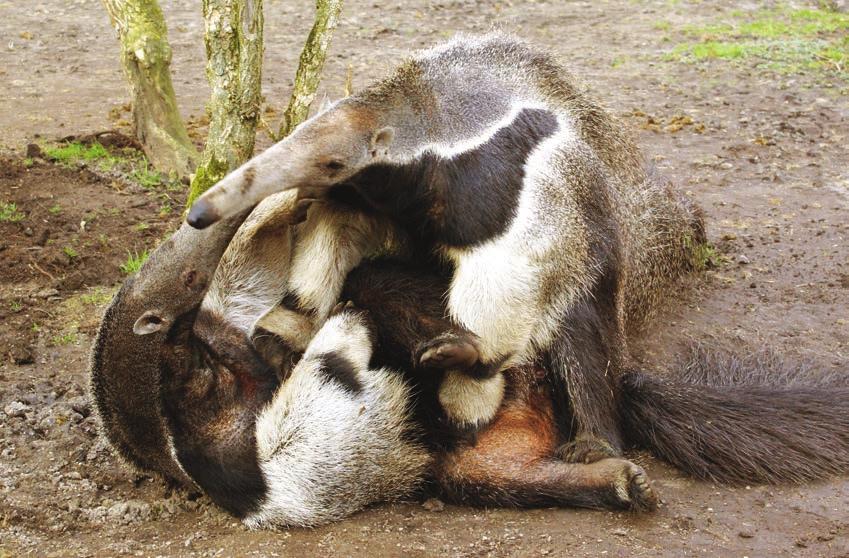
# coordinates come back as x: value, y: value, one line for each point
x: 633, y: 489
x: 349, y: 314
x: 451, y: 350
x: 618, y: 484
x: 586, y: 449
x: 342, y: 307
x: 470, y: 403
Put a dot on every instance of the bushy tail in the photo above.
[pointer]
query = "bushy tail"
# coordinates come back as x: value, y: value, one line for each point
x: 741, y: 420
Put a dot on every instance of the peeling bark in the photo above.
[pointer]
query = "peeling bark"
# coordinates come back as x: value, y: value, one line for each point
x: 146, y: 58
x: 234, y: 69
x: 312, y: 61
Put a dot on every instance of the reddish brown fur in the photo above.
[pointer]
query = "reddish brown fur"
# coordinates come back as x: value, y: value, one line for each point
x: 512, y: 463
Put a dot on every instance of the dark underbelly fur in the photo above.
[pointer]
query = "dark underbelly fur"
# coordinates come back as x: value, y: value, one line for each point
x: 406, y: 306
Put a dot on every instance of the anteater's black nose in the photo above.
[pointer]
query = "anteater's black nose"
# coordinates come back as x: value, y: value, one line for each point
x: 202, y: 214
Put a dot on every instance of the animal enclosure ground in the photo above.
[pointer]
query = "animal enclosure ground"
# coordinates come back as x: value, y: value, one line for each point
x: 745, y: 106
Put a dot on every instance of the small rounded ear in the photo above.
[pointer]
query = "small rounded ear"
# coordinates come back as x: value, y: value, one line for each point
x: 381, y: 140
x: 149, y: 322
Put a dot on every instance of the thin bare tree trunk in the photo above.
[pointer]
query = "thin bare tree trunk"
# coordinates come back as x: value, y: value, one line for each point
x: 234, y: 70
x: 312, y: 60
x: 146, y: 57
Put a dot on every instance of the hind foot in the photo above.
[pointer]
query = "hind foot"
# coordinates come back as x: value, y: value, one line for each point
x: 451, y: 350
x: 634, y: 489
x: 586, y: 449
x: 641, y: 496
x: 628, y: 485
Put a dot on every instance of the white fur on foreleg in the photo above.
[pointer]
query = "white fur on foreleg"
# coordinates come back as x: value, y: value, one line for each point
x: 346, y: 334
x: 470, y: 402
x: 294, y: 328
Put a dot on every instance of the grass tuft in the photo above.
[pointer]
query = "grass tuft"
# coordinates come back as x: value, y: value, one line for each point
x: 9, y: 213
x: 145, y: 176
x: 97, y: 297
x: 70, y: 252
x: 129, y: 163
x: 134, y: 262
x: 782, y: 39
x: 703, y: 255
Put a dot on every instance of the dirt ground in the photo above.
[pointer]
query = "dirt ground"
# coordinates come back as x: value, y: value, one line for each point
x: 763, y: 151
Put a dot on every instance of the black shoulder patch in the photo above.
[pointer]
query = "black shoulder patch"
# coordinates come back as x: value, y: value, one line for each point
x: 467, y: 199
x: 335, y: 367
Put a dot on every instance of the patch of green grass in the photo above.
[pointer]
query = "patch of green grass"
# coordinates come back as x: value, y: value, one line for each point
x: 147, y: 177
x: 9, y: 213
x: 75, y: 151
x: 783, y: 39
x: 69, y: 337
x: 70, y: 252
x: 130, y: 163
x: 166, y: 209
x: 108, y: 164
x: 29, y: 162
x: 714, y: 49
x: 15, y: 306
x: 55, y: 209
x: 134, y: 262
x: 35, y: 328
x: 98, y: 297
x: 141, y: 227
x: 703, y: 255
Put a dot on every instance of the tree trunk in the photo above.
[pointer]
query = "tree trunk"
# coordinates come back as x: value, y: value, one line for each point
x: 146, y: 57
x: 234, y: 69
x: 311, y: 64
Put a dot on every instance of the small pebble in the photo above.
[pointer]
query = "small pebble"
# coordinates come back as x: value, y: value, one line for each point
x: 16, y: 409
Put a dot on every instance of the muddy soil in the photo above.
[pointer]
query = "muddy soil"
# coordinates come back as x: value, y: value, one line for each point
x: 764, y: 153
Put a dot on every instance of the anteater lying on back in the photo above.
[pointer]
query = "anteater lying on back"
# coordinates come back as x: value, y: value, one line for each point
x: 280, y: 444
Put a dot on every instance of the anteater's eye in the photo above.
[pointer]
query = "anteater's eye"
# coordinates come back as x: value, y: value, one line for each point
x: 334, y: 165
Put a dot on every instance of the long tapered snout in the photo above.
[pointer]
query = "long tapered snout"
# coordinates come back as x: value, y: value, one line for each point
x: 321, y: 152
x: 272, y: 171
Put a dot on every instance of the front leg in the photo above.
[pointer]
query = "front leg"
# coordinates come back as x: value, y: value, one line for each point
x: 472, y: 390
x: 333, y: 241
x: 493, y: 294
x: 585, y: 357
